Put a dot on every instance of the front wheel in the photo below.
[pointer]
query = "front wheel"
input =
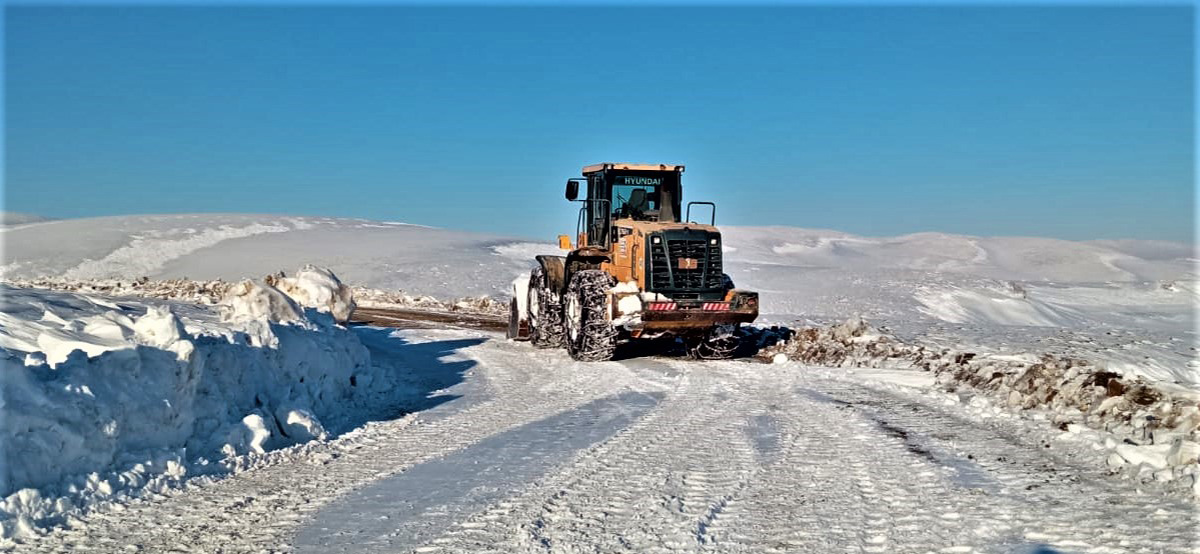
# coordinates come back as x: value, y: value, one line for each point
x: 545, y: 314
x: 591, y: 336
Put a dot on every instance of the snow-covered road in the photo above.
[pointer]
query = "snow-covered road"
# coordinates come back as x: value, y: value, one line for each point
x: 516, y: 449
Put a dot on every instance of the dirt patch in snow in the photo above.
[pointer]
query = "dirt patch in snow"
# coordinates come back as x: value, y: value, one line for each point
x: 407, y: 318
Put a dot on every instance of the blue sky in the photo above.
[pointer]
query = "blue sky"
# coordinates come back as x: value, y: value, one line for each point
x: 1071, y: 122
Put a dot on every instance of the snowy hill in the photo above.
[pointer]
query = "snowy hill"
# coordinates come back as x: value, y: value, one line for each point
x: 800, y: 272
x: 218, y: 246
x: 962, y: 279
x: 15, y: 218
x: 815, y: 274
x: 1012, y: 258
x: 232, y: 246
x: 1002, y: 294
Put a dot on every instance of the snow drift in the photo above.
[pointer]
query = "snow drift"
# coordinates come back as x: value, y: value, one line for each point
x: 102, y: 398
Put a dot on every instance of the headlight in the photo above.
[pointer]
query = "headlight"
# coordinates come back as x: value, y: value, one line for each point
x: 656, y: 240
x: 712, y: 241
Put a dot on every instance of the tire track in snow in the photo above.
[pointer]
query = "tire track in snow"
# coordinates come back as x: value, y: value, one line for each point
x: 842, y: 477
x: 806, y: 499
x: 1032, y: 499
x: 399, y: 511
x: 656, y: 486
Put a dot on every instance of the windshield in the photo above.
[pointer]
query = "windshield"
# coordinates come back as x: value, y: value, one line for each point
x: 635, y: 201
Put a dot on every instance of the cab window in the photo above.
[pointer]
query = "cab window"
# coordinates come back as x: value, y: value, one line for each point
x: 635, y: 201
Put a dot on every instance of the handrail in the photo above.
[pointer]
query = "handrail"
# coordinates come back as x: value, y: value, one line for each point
x: 583, y: 209
x: 712, y: 220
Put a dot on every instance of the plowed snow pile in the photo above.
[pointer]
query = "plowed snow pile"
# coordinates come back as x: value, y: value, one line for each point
x: 103, y: 399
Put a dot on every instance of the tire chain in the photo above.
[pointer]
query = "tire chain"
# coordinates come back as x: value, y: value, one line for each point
x: 598, y: 337
x: 547, y: 330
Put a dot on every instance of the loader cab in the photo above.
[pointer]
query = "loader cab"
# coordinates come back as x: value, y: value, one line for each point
x: 640, y: 192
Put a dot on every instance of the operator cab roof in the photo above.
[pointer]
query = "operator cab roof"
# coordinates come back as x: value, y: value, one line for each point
x: 635, y: 167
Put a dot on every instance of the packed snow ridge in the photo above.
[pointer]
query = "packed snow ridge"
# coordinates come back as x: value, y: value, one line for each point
x: 105, y: 399
x: 211, y: 293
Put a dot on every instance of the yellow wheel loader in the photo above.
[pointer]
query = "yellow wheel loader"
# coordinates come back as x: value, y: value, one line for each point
x: 640, y: 269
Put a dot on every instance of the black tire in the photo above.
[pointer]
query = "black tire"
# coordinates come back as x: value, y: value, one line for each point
x: 545, y: 312
x: 591, y: 336
x: 719, y: 343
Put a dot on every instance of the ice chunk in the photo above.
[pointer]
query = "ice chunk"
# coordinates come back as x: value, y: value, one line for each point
x: 1154, y: 455
x: 301, y: 425
x: 317, y: 287
x: 250, y: 300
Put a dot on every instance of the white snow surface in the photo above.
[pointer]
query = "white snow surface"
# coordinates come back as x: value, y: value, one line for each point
x: 105, y: 399
x: 537, y: 452
x: 977, y: 288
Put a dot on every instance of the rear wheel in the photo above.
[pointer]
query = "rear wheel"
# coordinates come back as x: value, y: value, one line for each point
x: 591, y: 336
x: 719, y: 343
x: 545, y: 312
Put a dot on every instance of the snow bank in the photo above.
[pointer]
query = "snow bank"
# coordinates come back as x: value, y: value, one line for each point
x: 104, y: 399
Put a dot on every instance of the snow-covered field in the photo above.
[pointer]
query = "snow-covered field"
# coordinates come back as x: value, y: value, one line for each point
x: 1026, y: 290
x: 958, y: 279
x: 168, y: 411
x: 384, y: 255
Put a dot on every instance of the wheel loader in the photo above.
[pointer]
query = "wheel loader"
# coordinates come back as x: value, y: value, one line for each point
x: 640, y: 269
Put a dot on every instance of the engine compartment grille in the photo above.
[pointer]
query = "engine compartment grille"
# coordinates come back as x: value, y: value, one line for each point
x: 666, y: 273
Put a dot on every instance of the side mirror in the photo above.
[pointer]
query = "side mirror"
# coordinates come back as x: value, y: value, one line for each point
x: 572, y: 189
